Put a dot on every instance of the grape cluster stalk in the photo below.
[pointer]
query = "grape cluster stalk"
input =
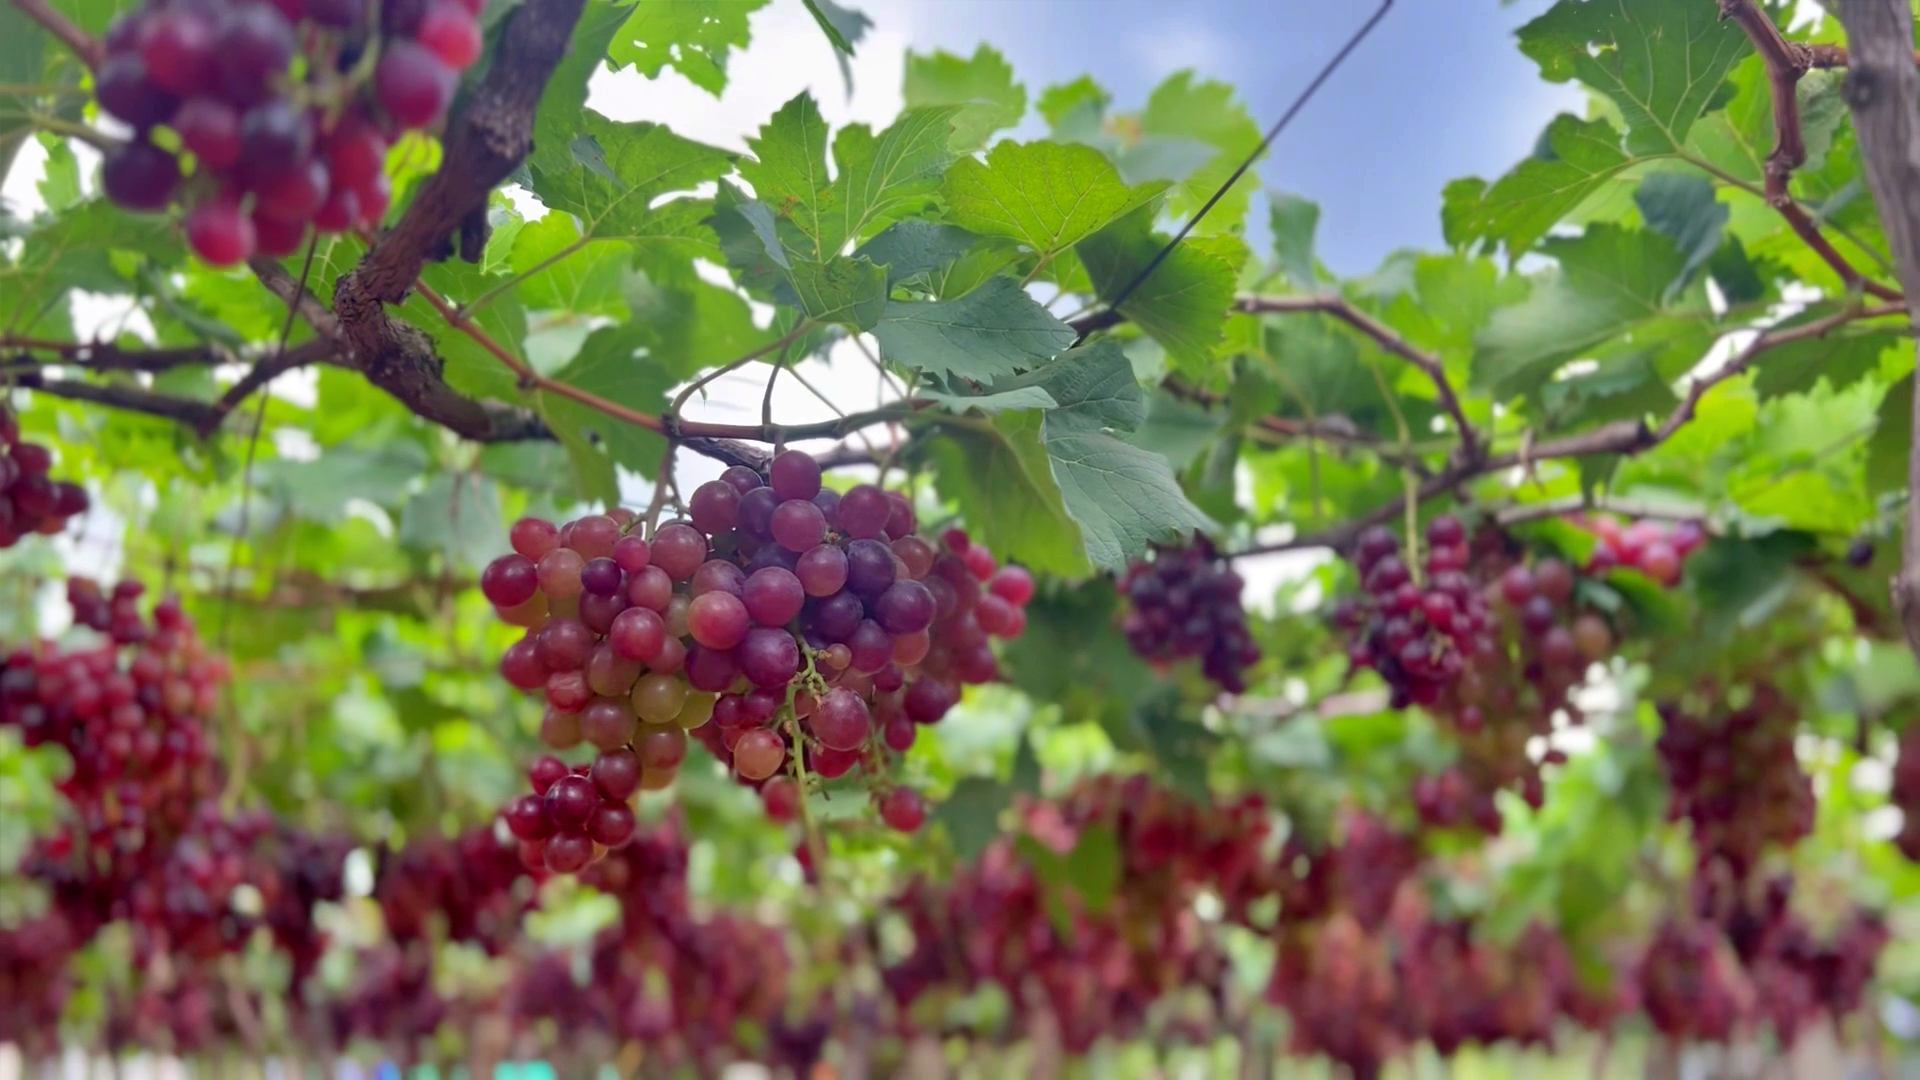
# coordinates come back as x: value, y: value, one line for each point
x: 792, y: 630
x: 270, y: 118
x: 31, y: 501
x: 1185, y: 605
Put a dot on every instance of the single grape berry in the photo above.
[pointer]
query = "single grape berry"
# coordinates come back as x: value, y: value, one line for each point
x: 903, y: 809
x: 211, y: 129
x: 794, y: 474
x: 449, y: 31
x: 220, y: 233
x: 412, y: 84
x: 140, y: 176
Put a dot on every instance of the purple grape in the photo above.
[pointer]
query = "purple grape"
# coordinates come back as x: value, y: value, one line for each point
x: 798, y: 525
x: 870, y: 567
x: 822, y: 570
x: 905, y: 607
x: 794, y: 474
x: 773, y: 596
x: 864, y: 511
x: 768, y: 657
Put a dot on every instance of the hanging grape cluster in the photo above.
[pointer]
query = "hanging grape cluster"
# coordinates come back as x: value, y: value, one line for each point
x: 778, y: 609
x: 269, y: 116
x: 30, y: 500
x: 1734, y: 778
x: 141, y: 839
x: 1658, y: 549
x: 1491, y: 641
x: 1185, y: 605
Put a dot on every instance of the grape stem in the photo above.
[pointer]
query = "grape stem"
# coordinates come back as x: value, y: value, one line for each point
x: 83, y: 44
x: 809, y: 829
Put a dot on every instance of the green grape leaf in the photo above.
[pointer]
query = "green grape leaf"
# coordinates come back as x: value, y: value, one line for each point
x: 609, y: 175
x: 458, y: 516
x: 1840, y: 358
x: 561, y: 270
x: 998, y: 475
x: 1049, y: 196
x: 1579, y: 157
x: 1892, y: 439
x: 694, y: 36
x: 75, y: 249
x: 1293, y: 221
x: 1089, y: 872
x: 1682, y: 208
x: 1610, y: 280
x: 917, y: 252
x: 1022, y: 397
x: 1628, y: 387
x: 1074, y: 110
x: 850, y: 291
x: 843, y: 26
x: 982, y: 90
x: 994, y: 331
x: 1210, y: 113
x: 1659, y: 63
x: 878, y: 177
x: 1183, y: 304
x: 971, y: 814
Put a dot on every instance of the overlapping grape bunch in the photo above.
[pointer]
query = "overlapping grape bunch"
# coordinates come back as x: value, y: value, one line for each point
x: 30, y: 500
x: 1733, y: 776
x: 1658, y: 549
x: 131, y: 710
x: 779, y: 608
x: 1186, y: 605
x: 272, y: 116
x: 1490, y: 640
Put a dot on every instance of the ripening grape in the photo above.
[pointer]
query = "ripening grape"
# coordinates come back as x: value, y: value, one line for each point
x: 757, y: 613
x: 1185, y: 603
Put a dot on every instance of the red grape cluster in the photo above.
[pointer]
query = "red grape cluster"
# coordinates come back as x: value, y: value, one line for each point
x: 270, y: 103
x: 1186, y: 605
x: 1658, y: 549
x: 1905, y: 792
x: 1795, y: 977
x: 684, y: 984
x: 1100, y: 974
x: 35, y: 983
x: 132, y: 713
x: 469, y: 887
x: 778, y: 608
x: 1491, y: 644
x: 1690, y: 983
x: 1418, y: 636
x: 1734, y: 778
x: 30, y: 501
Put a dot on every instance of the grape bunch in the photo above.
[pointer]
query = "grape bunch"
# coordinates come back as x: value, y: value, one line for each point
x: 1734, y: 778
x: 1690, y: 984
x: 133, y: 714
x: 1186, y: 605
x: 1657, y: 549
x: 268, y: 115
x: 470, y: 887
x: 777, y: 610
x: 1905, y: 792
x: 1491, y: 643
x: 30, y: 501
x: 1420, y: 636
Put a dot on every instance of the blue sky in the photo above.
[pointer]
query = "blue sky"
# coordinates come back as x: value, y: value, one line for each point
x: 1439, y: 90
